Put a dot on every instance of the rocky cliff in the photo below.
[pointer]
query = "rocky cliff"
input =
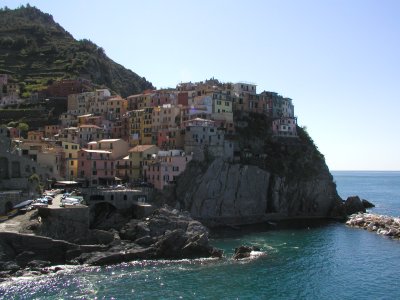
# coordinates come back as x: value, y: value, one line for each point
x: 276, y: 179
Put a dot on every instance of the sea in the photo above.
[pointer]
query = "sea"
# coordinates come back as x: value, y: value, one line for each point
x: 311, y: 261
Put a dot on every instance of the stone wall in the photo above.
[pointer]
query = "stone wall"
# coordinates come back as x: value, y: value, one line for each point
x: 8, y: 200
x: 71, y: 224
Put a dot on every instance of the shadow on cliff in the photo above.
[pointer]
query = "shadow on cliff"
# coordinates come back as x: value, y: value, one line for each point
x: 269, y: 179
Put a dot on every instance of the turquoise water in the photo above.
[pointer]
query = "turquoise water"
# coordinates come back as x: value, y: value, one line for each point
x: 316, y: 262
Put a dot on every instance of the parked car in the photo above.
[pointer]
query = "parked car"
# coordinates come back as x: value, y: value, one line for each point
x: 70, y: 201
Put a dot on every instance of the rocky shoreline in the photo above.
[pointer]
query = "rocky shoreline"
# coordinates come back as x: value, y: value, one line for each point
x: 166, y: 234
x: 381, y: 224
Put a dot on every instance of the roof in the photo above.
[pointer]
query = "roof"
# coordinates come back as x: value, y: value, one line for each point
x: 97, y: 151
x: 108, y: 140
x: 89, y: 126
x: 141, y: 148
x: 83, y: 116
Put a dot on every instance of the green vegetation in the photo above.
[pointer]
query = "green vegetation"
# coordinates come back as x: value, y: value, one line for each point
x: 292, y: 158
x: 37, y: 51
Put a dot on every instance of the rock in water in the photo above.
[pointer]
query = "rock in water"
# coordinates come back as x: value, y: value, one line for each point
x: 166, y: 234
x: 367, y: 204
x: 354, y: 205
x: 383, y: 225
x: 244, y: 251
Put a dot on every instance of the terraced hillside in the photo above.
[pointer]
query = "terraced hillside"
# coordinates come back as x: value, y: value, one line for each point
x: 36, y: 50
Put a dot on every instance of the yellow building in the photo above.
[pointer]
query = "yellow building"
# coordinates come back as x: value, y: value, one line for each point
x: 136, y: 125
x: 141, y: 126
x: 116, y: 107
x: 138, y: 157
x: 222, y: 102
x: 147, y: 136
x: 71, y: 159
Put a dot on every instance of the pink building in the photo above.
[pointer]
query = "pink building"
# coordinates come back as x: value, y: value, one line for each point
x: 97, y: 163
x: 166, y: 167
x: 285, y: 127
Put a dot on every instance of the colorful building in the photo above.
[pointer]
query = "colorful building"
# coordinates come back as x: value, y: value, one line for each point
x: 164, y: 169
x: 139, y: 156
x: 97, y: 162
x: 71, y: 159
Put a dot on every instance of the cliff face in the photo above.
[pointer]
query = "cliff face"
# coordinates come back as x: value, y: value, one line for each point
x: 243, y: 194
x: 290, y: 180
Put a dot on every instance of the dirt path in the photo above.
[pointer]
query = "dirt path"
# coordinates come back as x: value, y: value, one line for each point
x: 18, y: 223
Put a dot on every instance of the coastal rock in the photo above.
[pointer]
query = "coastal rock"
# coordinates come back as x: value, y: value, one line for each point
x: 244, y: 251
x: 227, y: 193
x: 107, y: 258
x: 383, y: 225
x: 166, y: 234
x: 367, y: 204
x: 354, y: 205
x: 24, y: 249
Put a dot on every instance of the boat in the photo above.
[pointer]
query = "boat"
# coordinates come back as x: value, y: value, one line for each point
x: 23, y: 204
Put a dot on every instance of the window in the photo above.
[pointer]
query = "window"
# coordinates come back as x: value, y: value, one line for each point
x: 72, y: 162
x: 66, y: 146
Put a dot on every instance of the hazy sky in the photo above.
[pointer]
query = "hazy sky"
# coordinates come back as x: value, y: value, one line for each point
x: 339, y: 60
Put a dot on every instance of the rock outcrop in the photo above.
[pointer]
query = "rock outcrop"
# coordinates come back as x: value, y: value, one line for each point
x: 269, y: 178
x: 383, y: 225
x: 354, y: 205
x: 244, y: 251
x: 166, y: 234
x: 227, y: 193
x: 19, y: 250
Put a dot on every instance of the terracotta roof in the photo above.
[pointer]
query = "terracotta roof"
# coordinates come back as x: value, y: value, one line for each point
x: 141, y: 148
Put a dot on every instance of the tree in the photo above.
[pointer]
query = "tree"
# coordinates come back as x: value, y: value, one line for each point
x: 23, y: 127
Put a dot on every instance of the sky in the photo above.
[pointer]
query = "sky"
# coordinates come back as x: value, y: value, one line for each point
x: 339, y: 60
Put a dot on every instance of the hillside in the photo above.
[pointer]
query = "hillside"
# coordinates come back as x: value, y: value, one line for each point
x: 36, y: 50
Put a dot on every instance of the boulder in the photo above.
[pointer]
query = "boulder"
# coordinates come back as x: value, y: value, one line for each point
x: 354, y: 205
x: 244, y: 251
x: 170, y: 245
x: 38, y: 264
x: 25, y: 257
x: 367, y: 204
x: 101, y: 236
x: 172, y: 233
x: 107, y: 258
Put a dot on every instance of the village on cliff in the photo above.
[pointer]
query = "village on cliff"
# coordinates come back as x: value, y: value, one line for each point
x: 145, y: 139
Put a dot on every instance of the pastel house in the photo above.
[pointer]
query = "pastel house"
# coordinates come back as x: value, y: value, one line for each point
x: 166, y: 167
